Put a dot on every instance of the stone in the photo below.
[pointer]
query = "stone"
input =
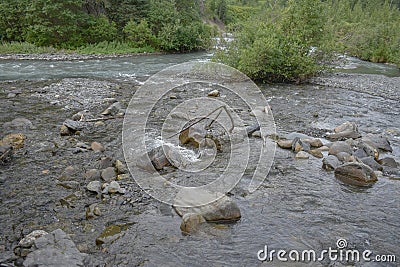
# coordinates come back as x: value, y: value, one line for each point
x: 55, y: 249
x: 64, y: 131
x: 368, y: 149
x: 316, y: 153
x: 104, y: 163
x: 389, y: 162
x: 114, y: 187
x: 302, y: 155
x: 191, y: 223
x: 193, y: 135
x: 155, y: 159
x: 94, y: 186
x: 330, y: 163
x: 109, y: 234
x: 120, y: 167
x: 213, y: 93
x: 5, y: 152
x: 223, y: 209
x: 92, y: 174
x: 69, y: 184
x: 391, y: 172
x: 343, y: 156
x: 16, y: 141
x: 377, y: 142
x: 293, y: 135
x: 360, y: 153
x: 285, y: 143
x: 340, y: 146
x: 114, y: 109
x: 29, y: 239
x: 345, y: 131
x: 355, y: 173
x: 108, y: 174
x: 323, y: 148
x: 74, y: 126
x: 256, y: 134
x: 22, y: 123
x: 92, y: 211
x: 97, y: 147
x: 252, y: 129
x: 314, y: 142
x: 370, y: 161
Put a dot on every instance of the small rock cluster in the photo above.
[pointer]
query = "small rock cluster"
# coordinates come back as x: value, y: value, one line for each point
x: 355, y: 159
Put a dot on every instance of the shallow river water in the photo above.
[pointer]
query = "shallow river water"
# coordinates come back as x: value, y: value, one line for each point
x: 299, y: 207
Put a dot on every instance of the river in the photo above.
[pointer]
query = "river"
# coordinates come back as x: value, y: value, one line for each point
x: 298, y: 207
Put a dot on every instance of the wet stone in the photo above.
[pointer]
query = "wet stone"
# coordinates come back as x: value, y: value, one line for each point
x: 302, y: 155
x: 355, y: 173
x: 338, y: 147
x: 330, y: 163
x: 370, y: 161
x: 343, y: 156
x: 108, y: 174
x: 213, y: 93
x: 389, y: 162
x: 55, y: 249
x: 285, y: 143
x: 191, y: 223
x: 316, y: 153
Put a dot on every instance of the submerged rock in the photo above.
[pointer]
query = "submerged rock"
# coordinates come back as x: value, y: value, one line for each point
x: 191, y: 222
x: 224, y: 209
x: 355, y: 173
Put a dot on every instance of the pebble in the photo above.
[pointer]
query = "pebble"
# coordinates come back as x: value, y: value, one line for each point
x: 97, y: 147
x: 94, y: 186
x: 213, y: 93
x: 108, y: 174
x: 302, y: 155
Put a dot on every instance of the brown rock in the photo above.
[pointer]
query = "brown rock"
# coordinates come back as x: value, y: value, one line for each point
x: 355, y: 173
x: 95, y: 146
x: 285, y: 143
x: 316, y: 153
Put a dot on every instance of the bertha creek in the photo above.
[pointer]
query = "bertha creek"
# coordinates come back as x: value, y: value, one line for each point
x: 300, y: 205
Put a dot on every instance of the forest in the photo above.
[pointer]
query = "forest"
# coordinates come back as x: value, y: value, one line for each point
x: 274, y: 40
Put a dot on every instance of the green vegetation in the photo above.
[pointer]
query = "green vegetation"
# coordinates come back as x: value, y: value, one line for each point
x: 97, y: 25
x: 275, y: 40
x: 289, y: 41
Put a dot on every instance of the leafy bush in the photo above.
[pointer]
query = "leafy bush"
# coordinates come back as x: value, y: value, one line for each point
x: 100, y: 29
x: 275, y: 47
x: 139, y: 34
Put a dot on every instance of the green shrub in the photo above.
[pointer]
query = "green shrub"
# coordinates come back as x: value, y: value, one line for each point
x: 139, y: 34
x: 100, y: 29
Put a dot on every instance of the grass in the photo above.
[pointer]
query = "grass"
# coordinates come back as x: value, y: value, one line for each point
x: 105, y: 48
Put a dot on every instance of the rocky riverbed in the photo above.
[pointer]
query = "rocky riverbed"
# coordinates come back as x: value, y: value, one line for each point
x: 74, y: 184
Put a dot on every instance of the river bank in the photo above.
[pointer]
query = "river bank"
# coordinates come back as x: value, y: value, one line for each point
x: 299, y: 206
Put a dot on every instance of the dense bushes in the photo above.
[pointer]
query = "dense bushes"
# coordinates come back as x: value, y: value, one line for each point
x: 170, y: 25
x: 289, y: 40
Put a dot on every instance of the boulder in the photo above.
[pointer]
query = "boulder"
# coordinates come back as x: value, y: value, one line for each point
x: 330, y: 163
x: 55, y: 249
x: 344, y: 156
x: 338, y: 147
x: 355, y: 173
x: 368, y: 149
x: 370, y: 161
x: 223, y: 209
x: 389, y: 162
x: 378, y: 142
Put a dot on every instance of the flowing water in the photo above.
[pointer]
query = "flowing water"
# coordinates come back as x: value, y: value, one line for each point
x: 298, y: 207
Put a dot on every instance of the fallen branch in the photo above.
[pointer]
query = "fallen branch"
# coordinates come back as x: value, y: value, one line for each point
x: 102, y: 119
x: 206, y: 117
